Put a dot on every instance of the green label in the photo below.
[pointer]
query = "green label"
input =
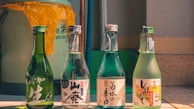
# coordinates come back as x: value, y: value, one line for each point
x: 37, y: 93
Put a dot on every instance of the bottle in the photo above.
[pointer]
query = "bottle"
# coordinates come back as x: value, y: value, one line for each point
x: 147, y: 75
x: 111, y: 76
x: 75, y: 88
x: 39, y: 76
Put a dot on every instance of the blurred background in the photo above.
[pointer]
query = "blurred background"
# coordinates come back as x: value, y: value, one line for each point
x: 174, y: 39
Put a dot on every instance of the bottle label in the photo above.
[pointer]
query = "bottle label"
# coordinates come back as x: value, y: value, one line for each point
x: 61, y: 31
x: 147, y: 92
x: 111, y: 92
x: 75, y: 92
x: 150, y: 45
x: 37, y: 93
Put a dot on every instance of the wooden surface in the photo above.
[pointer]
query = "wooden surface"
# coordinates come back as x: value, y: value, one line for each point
x: 57, y: 105
x: 173, y: 98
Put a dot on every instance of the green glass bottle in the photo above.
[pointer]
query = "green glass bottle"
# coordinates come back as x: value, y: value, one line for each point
x: 75, y: 87
x: 111, y: 76
x: 147, y: 75
x: 39, y: 76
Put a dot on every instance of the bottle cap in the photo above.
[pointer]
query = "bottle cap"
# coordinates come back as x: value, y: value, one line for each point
x: 67, y: 2
x: 39, y: 28
x: 111, y: 27
x: 147, y: 29
x: 75, y: 28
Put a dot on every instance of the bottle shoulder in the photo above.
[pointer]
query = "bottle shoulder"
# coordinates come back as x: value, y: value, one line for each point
x: 75, y: 67
x: 75, y: 55
x: 40, y: 58
x: 39, y: 64
x: 147, y: 66
x: 111, y: 66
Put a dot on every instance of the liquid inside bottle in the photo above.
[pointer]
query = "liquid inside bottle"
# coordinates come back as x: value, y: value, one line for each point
x: 111, y: 76
x: 39, y: 76
x: 147, y: 75
x: 75, y: 88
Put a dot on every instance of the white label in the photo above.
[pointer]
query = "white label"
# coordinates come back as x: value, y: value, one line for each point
x: 150, y: 45
x: 147, y: 92
x: 110, y: 92
x: 61, y: 31
x: 74, y: 92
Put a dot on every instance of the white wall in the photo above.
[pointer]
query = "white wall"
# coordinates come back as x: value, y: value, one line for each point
x: 174, y: 18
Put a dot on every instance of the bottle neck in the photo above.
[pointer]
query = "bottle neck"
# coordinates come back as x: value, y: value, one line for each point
x: 74, y: 43
x: 146, y: 43
x: 39, y: 43
x: 111, y: 42
x: 111, y: 55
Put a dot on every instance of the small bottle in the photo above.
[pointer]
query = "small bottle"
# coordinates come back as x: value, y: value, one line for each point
x: 75, y: 87
x: 39, y: 76
x: 111, y: 76
x: 147, y: 75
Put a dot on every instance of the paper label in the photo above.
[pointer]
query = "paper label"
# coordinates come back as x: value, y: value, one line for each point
x: 150, y: 45
x: 74, y: 92
x: 110, y: 92
x: 147, y: 92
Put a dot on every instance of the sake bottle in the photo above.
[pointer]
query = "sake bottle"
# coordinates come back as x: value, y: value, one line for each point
x: 39, y: 76
x: 147, y: 75
x: 111, y: 76
x: 75, y: 88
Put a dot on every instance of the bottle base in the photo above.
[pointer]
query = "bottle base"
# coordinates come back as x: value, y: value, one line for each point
x: 146, y: 107
x: 110, y: 107
x: 75, y: 107
x: 39, y: 106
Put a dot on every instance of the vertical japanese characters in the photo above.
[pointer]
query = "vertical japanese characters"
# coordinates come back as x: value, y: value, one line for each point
x: 75, y: 90
x: 39, y: 76
x: 111, y: 76
x: 147, y: 75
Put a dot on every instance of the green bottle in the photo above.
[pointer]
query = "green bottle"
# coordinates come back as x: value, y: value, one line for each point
x: 39, y: 76
x: 147, y: 75
x: 111, y: 76
x: 75, y: 87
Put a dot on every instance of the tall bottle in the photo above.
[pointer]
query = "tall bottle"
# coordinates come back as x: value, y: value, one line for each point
x: 111, y: 76
x: 39, y: 76
x: 147, y: 75
x: 75, y: 88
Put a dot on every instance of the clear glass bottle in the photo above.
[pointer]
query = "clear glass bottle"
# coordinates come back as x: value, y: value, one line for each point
x: 75, y: 87
x: 111, y: 76
x: 147, y: 75
x: 39, y: 76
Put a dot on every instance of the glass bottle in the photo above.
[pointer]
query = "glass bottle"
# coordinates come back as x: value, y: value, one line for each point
x: 75, y: 88
x: 39, y: 76
x: 147, y: 75
x: 111, y: 76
